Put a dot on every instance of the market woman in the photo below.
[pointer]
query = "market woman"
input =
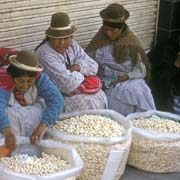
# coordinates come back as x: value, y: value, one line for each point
x: 30, y: 102
x: 68, y: 66
x: 123, y: 64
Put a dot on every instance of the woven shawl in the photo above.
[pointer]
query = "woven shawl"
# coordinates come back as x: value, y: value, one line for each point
x: 126, y: 45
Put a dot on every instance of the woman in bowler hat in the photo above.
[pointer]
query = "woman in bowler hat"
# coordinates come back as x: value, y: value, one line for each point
x: 123, y: 64
x: 30, y: 102
x: 67, y: 65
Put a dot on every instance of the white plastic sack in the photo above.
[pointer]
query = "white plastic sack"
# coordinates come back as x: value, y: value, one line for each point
x: 104, y: 158
x: 49, y: 147
x: 154, y: 151
x: 152, y: 134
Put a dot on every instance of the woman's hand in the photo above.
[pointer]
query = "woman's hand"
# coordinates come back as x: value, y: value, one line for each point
x: 38, y: 133
x: 75, y: 67
x: 10, y: 139
x: 123, y: 77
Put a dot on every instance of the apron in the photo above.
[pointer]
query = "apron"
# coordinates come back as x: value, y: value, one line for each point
x: 25, y: 119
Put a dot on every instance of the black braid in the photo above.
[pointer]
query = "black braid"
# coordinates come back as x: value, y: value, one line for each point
x: 43, y: 41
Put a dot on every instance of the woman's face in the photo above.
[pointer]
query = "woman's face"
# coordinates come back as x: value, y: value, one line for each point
x: 23, y: 83
x: 61, y: 44
x: 112, y: 33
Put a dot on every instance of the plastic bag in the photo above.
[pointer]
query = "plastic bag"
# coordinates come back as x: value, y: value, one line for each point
x: 104, y: 158
x: 154, y: 151
x: 50, y: 147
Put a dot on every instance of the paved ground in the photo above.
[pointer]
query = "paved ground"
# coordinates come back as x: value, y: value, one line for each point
x: 134, y: 174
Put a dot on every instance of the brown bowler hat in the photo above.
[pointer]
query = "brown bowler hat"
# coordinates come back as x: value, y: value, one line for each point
x: 114, y: 13
x: 60, y: 26
x: 26, y: 60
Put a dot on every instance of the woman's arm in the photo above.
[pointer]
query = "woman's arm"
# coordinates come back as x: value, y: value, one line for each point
x: 5, y: 129
x: 54, y: 106
x: 88, y: 66
x: 55, y: 67
x: 4, y: 98
x: 53, y: 99
x: 138, y: 71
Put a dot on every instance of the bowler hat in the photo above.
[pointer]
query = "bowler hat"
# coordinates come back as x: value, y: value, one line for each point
x: 60, y: 26
x: 114, y: 13
x: 26, y: 60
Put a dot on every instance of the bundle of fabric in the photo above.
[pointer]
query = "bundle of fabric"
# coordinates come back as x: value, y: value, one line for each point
x: 90, y: 85
x: 4, y: 55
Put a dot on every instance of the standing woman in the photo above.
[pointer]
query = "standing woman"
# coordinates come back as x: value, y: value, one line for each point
x: 122, y: 63
x: 67, y: 65
x: 30, y: 102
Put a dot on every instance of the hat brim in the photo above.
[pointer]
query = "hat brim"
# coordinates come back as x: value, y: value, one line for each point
x: 105, y: 17
x: 15, y: 63
x: 59, y: 33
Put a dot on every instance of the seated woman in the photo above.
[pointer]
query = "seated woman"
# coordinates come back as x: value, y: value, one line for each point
x: 121, y: 62
x: 67, y: 65
x: 30, y: 102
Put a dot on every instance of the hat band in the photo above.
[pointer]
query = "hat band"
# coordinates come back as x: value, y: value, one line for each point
x: 28, y: 68
x: 122, y: 19
x: 61, y: 28
x: 60, y: 37
x: 114, y: 25
x: 19, y: 65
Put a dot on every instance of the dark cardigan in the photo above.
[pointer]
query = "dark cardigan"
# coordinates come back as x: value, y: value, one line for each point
x: 165, y: 76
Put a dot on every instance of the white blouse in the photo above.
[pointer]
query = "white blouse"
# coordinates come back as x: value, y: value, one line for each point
x: 55, y: 67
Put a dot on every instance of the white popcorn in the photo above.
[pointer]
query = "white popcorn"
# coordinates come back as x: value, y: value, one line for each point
x: 155, y: 155
x: 31, y: 165
x: 94, y: 155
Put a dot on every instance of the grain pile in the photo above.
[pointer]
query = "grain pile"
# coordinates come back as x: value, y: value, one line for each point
x: 31, y: 165
x: 94, y: 152
x: 151, y: 148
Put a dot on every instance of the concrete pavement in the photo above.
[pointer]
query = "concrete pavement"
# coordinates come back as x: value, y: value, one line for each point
x: 134, y: 174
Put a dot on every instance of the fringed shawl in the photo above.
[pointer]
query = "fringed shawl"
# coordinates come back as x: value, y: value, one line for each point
x: 126, y: 45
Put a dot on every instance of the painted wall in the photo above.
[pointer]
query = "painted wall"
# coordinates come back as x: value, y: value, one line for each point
x: 23, y: 22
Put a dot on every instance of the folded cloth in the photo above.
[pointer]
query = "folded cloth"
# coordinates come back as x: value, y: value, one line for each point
x: 6, y: 81
x: 90, y: 85
x: 4, y: 55
x: 4, y: 151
